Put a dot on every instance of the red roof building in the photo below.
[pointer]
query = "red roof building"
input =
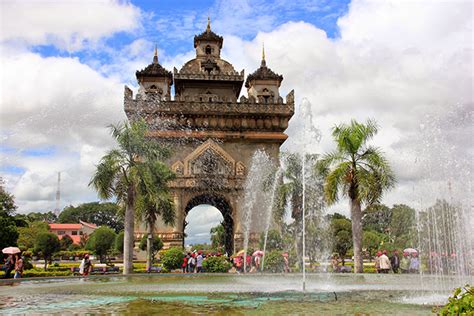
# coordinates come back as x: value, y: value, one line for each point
x: 75, y: 231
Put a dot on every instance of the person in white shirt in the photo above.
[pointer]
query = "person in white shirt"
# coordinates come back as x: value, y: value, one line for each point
x: 385, y: 265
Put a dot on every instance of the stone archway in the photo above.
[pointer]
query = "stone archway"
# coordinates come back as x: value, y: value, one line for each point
x: 223, y: 206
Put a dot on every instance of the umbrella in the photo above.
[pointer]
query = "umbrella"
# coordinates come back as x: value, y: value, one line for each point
x: 258, y: 253
x: 410, y: 250
x: 240, y: 253
x: 11, y: 250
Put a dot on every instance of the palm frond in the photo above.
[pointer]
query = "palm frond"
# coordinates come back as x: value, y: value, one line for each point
x: 107, y: 174
x: 335, y: 180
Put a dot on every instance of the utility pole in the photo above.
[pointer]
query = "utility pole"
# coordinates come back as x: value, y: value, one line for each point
x: 58, y: 195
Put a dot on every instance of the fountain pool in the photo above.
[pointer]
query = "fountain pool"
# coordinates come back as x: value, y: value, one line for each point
x: 225, y: 293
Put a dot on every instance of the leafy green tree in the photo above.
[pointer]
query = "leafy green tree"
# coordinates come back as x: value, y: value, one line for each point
x: 46, y: 244
x: 101, y: 242
x: 8, y: 229
x: 377, y: 217
x: 28, y: 235
x: 358, y: 171
x: 128, y: 173
x: 156, y: 246
x: 101, y: 214
x: 274, y: 240
x: 342, y: 240
x: 48, y: 217
x: 119, y: 242
x: 290, y: 192
x: 218, y: 237
x: 65, y: 242
x: 371, y: 241
x: 403, y: 226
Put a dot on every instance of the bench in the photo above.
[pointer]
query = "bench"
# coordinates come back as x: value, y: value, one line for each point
x: 101, y: 270
x: 155, y: 270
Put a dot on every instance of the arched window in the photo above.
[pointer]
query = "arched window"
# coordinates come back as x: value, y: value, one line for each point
x: 208, y: 49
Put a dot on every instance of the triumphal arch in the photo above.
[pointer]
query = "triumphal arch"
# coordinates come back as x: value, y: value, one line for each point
x: 212, y: 131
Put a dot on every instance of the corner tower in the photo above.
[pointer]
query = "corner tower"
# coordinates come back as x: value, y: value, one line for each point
x: 264, y: 84
x: 155, y: 79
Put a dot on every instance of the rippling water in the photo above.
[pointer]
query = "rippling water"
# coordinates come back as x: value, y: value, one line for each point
x: 224, y: 294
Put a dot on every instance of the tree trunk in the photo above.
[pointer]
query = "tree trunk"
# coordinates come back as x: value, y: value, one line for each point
x: 356, y: 217
x: 149, y: 257
x: 128, y: 237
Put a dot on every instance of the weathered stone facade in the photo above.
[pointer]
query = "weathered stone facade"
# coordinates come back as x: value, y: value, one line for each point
x: 213, y: 133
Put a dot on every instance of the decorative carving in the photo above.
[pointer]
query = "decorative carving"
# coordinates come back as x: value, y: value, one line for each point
x: 240, y: 169
x: 207, y: 159
x: 178, y: 168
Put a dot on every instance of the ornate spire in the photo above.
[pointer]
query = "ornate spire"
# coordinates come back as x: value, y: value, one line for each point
x: 155, y: 57
x: 263, y: 64
x: 208, y: 35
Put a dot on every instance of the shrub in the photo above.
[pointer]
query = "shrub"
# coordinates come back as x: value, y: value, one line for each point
x: 274, y: 240
x: 461, y: 303
x: 172, y: 258
x: 216, y: 264
x: 274, y: 262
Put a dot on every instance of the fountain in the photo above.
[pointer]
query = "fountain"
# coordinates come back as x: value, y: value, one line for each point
x: 275, y: 293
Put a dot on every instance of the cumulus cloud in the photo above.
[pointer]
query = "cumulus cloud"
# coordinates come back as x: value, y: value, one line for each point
x: 406, y: 64
x: 395, y: 63
x: 68, y: 25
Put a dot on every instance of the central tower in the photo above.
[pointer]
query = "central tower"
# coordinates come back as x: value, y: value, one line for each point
x: 212, y: 132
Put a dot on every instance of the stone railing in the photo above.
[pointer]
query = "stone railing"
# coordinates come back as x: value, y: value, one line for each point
x: 214, y: 75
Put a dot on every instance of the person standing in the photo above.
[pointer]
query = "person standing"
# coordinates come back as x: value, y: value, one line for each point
x: 18, y: 266
x: 9, y: 266
x: 395, y: 261
x: 414, y: 263
x: 191, y: 263
x: 286, y: 262
x: 85, y: 266
x: 185, y: 264
x: 377, y: 261
x: 384, y: 263
x: 199, y: 260
x: 405, y: 263
x: 335, y: 263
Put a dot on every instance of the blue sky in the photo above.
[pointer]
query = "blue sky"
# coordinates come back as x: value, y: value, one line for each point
x: 402, y: 63
x: 172, y: 24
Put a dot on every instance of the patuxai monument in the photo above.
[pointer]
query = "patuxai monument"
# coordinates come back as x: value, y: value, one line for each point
x: 212, y: 131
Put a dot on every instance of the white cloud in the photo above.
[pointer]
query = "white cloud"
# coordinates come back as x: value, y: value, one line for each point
x: 200, y: 221
x: 65, y: 24
x: 405, y: 64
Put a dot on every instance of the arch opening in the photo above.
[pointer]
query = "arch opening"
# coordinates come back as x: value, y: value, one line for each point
x: 223, y: 207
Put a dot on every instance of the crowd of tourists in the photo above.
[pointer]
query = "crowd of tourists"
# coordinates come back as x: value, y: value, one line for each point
x: 13, y: 266
x: 408, y: 263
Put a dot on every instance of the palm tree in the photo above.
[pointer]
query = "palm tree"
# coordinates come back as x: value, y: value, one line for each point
x: 290, y: 192
x: 156, y: 203
x: 358, y: 171
x: 127, y: 173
